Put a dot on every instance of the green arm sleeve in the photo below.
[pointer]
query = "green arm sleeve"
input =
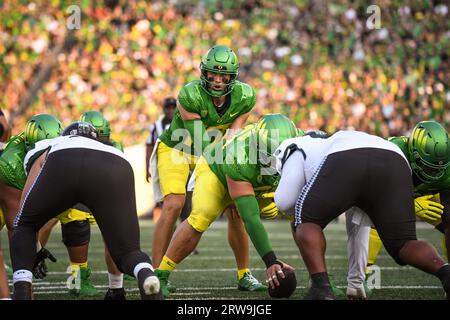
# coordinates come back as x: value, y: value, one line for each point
x: 197, y: 131
x: 249, y: 211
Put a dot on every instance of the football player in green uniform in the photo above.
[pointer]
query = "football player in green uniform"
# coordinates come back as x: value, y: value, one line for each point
x: 207, y: 107
x: 12, y: 174
x: 239, y: 173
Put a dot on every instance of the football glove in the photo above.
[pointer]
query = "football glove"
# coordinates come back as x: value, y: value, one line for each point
x: 40, y: 267
x: 428, y: 210
x: 267, y: 205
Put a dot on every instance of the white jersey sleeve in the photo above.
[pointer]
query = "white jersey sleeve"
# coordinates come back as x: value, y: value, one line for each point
x: 291, y: 183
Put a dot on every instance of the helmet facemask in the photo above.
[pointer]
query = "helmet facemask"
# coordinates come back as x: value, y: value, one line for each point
x: 426, y: 171
x: 219, y: 60
x: 207, y: 84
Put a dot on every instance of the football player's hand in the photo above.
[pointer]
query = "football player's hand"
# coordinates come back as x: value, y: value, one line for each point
x: 428, y: 210
x: 40, y: 268
x: 267, y: 206
x: 275, y: 272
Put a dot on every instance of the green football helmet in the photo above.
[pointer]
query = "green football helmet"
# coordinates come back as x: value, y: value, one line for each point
x: 98, y: 121
x: 429, y: 150
x: 40, y: 127
x: 223, y: 60
x: 271, y: 131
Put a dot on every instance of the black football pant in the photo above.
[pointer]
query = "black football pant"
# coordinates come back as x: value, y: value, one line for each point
x: 104, y: 182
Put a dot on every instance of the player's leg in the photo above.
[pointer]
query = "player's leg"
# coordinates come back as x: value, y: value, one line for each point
x: 375, y: 246
x: 205, y: 209
x: 112, y: 201
x: 332, y: 191
x: 395, y: 218
x: 173, y: 170
x: 115, y: 279
x: 36, y: 209
x: 238, y: 240
x: 357, y: 246
x: 76, y: 234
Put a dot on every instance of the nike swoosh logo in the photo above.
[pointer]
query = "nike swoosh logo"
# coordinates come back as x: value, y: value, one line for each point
x: 233, y: 114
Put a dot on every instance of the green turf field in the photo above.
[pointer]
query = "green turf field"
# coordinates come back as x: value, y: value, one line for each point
x: 211, y: 274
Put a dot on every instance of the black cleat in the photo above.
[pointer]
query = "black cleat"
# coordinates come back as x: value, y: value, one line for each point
x: 320, y: 293
x: 115, y: 294
x: 22, y: 290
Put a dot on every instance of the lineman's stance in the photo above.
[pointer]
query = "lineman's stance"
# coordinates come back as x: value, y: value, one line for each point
x: 321, y: 178
x: 113, y: 206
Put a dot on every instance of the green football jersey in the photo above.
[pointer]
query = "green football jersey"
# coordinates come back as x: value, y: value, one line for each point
x: 12, y: 172
x: 421, y: 188
x: 240, y: 162
x: 194, y: 99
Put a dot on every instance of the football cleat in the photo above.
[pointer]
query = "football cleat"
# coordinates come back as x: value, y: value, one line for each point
x: 356, y: 293
x: 86, y: 288
x: 163, y: 276
x: 22, y: 290
x: 249, y: 283
x: 115, y: 294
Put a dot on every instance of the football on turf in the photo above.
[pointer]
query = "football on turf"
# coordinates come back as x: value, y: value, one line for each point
x: 287, y: 285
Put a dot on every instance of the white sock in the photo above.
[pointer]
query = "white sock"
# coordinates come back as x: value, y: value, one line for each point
x: 22, y: 275
x: 38, y: 246
x: 115, y: 281
x: 5, y: 299
x: 140, y: 266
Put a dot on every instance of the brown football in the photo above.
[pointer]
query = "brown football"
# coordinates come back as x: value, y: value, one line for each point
x: 287, y: 285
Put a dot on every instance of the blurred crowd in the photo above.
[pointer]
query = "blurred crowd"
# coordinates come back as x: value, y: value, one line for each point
x: 316, y: 61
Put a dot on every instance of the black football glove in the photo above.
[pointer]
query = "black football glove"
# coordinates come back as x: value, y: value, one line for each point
x: 40, y: 268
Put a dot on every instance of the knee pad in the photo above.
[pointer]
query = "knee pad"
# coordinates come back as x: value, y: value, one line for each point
x: 76, y: 233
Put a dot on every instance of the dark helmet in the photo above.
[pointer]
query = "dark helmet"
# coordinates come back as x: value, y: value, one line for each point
x: 82, y: 129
